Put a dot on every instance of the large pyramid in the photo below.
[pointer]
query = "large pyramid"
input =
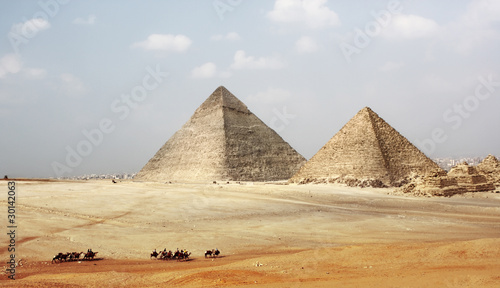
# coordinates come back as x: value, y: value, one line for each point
x: 366, y: 149
x: 223, y: 141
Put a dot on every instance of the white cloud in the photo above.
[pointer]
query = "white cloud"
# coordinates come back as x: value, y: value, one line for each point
x: 164, y: 42
x: 71, y: 85
x: 30, y: 28
x: 10, y: 64
x: 313, y: 13
x: 207, y: 70
x: 90, y: 20
x: 410, y: 27
x: 476, y: 27
x: 391, y: 66
x: 306, y: 45
x: 231, y: 36
x: 467, y: 39
x: 225, y: 74
x: 270, y: 96
x: 242, y: 61
x: 482, y: 13
x: 35, y: 73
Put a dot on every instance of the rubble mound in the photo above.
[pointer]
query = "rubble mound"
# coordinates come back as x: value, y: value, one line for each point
x: 349, y: 181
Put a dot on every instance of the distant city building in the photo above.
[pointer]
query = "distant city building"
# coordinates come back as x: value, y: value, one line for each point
x: 448, y: 163
x: 119, y: 176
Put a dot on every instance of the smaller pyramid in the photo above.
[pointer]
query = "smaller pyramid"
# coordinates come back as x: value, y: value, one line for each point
x: 490, y: 164
x: 366, y: 151
x: 223, y: 141
x: 490, y: 167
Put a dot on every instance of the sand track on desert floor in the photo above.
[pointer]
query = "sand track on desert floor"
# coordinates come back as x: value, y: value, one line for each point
x: 271, y: 234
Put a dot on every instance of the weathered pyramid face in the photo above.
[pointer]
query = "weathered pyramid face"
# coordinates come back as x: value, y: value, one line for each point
x: 366, y: 148
x: 223, y: 140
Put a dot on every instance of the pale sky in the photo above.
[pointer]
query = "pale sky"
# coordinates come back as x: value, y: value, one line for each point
x: 100, y: 86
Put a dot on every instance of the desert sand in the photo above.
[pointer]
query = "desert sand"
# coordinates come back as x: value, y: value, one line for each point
x: 270, y: 235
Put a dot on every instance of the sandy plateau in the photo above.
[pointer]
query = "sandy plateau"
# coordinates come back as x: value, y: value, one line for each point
x: 270, y: 235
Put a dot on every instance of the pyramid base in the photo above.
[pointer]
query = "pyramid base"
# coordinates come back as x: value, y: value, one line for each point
x: 349, y: 181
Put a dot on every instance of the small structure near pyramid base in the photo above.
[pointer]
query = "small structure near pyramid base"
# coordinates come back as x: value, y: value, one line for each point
x: 367, y: 151
x: 223, y: 141
x: 490, y: 167
x: 461, y: 179
x: 469, y: 178
x: 438, y: 183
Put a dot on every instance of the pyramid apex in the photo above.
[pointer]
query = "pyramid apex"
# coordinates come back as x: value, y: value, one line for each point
x: 221, y: 87
x: 491, y: 157
x: 223, y: 98
x: 367, y: 113
x: 367, y: 109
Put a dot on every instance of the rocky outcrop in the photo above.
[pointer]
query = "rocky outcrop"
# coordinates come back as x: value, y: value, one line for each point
x: 223, y: 141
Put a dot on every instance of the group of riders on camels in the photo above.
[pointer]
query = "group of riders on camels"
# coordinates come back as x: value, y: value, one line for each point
x: 179, y: 255
x: 162, y: 255
x: 212, y: 253
x: 169, y: 255
x: 73, y: 256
